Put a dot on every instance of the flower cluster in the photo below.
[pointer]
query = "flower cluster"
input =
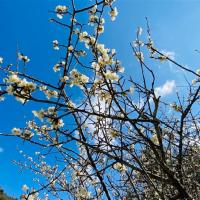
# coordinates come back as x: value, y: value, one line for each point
x: 64, y: 79
x: 25, y: 188
x: 20, y: 88
x: 1, y: 60
x: 94, y: 19
x: 104, y: 96
x: 104, y: 57
x: 198, y: 72
x: 39, y: 114
x: 82, y: 193
x: 22, y: 57
x: 48, y: 93
x: 51, y: 115
x: 100, y: 27
x: 113, y: 13
x: 93, y: 10
x: 120, y: 167
x: 70, y: 105
x: 176, y: 107
x: 51, y: 94
x: 56, y: 123
x: 78, y: 79
x: 87, y: 39
x: 139, y: 56
x: 16, y: 131
x: 59, y: 65
x: 111, y: 75
x: 56, y: 45
x: 25, y: 134
x: 38, y: 129
x: 60, y: 11
x: 30, y: 197
x: 109, y: 2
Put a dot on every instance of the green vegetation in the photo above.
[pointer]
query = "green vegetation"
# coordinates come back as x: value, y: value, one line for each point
x: 3, y: 196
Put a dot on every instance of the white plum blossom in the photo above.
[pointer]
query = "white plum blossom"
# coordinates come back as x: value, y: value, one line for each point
x: 30, y: 86
x: 83, y: 36
x: 113, y: 13
x: 30, y: 197
x: 1, y: 60
x: 176, y: 107
x: 27, y: 134
x: 77, y: 78
x: 23, y: 57
x: 93, y: 19
x: 39, y: 114
x: 120, y: 167
x: 42, y: 87
x: 111, y: 75
x: 16, y: 131
x: 13, y: 78
x: 25, y: 188
x: 87, y: 39
x: 51, y: 94
x: 198, y: 72
x: 70, y: 48
x: 64, y: 78
x: 56, y: 123
x: 20, y: 88
x: 56, y: 68
x: 73, y: 20
x: 59, y: 65
x: 31, y: 124
x: 138, y: 42
x: 95, y: 66
x: 104, y: 96
x: 61, y: 10
x: 99, y: 29
x: 94, y: 9
x: 56, y: 45
x: 70, y: 105
x: 51, y: 110
x: 109, y: 2
x: 139, y: 56
x: 82, y: 193
x: 120, y: 69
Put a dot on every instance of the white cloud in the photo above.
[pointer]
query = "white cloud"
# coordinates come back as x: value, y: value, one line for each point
x: 165, y: 89
x: 100, y: 137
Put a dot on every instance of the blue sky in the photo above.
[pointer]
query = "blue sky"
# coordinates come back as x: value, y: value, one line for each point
x: 175, y: 28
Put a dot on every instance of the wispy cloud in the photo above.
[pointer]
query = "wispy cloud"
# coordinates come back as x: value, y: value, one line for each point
x: 170, y: 54
x: 165, y: 89
x: 1, y: 150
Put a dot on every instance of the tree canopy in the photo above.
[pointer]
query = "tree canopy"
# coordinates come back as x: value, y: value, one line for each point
x: 3, y: 196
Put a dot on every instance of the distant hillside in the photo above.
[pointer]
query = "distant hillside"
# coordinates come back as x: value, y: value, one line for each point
x: 3, y: 196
